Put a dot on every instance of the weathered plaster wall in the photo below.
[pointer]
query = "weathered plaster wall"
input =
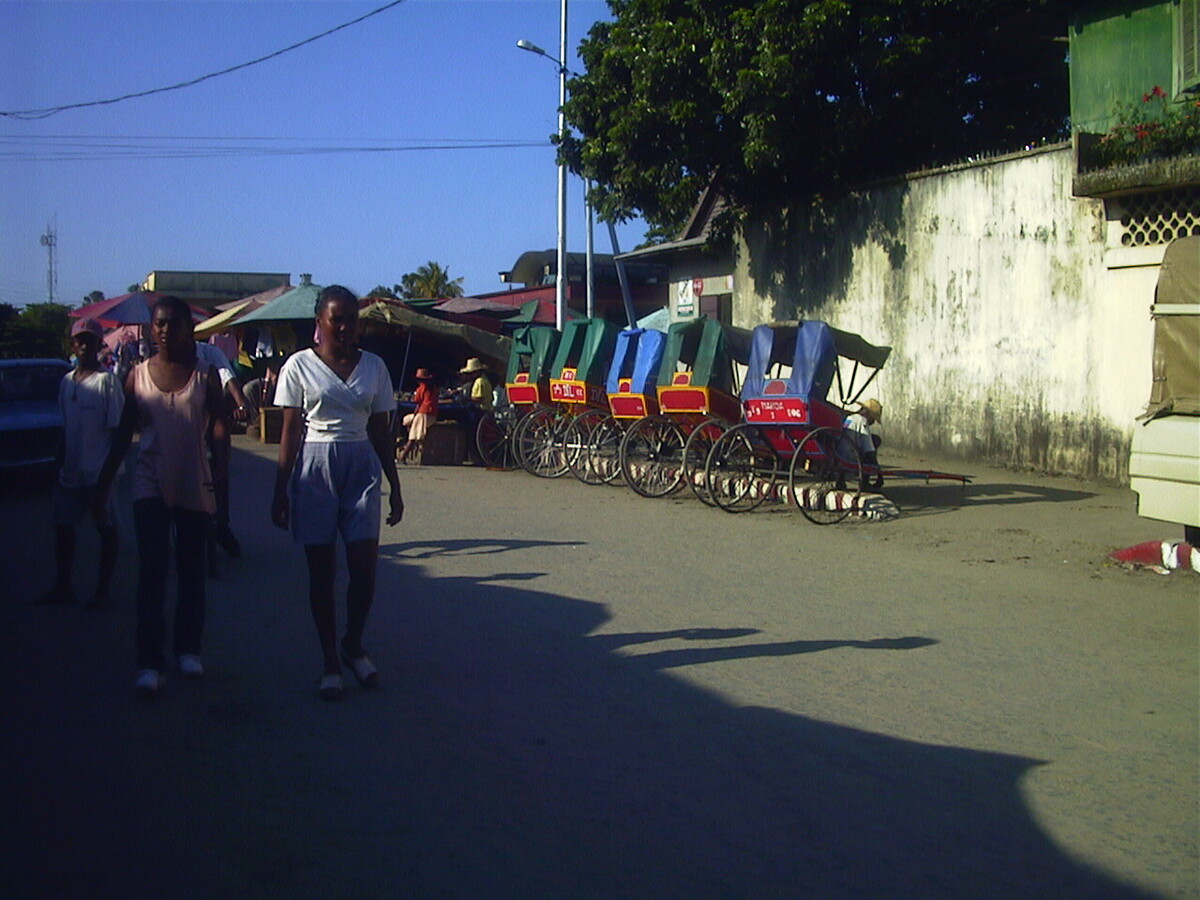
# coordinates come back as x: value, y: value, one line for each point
x: 1018, y: 339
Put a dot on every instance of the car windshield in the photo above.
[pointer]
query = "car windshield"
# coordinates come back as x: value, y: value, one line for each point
x: 30, y: 383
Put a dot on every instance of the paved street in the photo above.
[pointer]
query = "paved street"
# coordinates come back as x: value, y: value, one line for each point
x: 592, y: 695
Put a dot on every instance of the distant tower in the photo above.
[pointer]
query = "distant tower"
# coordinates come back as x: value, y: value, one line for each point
x: 50, y: 242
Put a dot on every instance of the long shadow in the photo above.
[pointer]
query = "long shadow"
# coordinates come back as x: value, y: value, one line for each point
x: 511, y: 753
x: 472, y: 547
x: 927, y: 498
x: 670, y: 659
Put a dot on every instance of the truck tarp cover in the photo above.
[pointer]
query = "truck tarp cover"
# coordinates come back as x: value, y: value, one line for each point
x: 1175, y: 388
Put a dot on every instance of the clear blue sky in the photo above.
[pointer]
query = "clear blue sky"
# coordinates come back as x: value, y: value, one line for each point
x: 169, y: 181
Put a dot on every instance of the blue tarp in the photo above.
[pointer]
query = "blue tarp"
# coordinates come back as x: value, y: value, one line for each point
x: 813, y: 361
x: 637, y: 356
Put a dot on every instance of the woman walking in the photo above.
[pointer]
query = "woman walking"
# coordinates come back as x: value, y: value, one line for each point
x: 173, y: 396
x: 335, y: 451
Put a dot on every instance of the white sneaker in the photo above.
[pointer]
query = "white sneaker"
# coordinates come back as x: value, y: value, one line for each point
x: 190, y: 666
x: 147, y: 682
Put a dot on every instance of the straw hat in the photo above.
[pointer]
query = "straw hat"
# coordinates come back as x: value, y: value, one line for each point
x: 474, y: 364
x: 423, y: 375
x: 872, y: 409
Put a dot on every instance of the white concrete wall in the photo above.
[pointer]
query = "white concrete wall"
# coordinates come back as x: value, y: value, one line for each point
x: 1019, y: 337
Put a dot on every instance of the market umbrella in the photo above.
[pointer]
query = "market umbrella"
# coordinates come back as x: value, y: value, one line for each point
x: 298, y: 303
x: 259, y: 299
x: 127, y: 309
x: 223, y: 320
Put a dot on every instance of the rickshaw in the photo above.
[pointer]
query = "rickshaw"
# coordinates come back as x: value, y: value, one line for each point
x: 576, y: 392
x: 527, y: 387
x: 789, y: 424
x: 697, y: 402
x: 632, y: 375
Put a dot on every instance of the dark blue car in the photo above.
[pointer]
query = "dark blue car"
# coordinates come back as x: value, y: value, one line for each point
x: 31, y: 425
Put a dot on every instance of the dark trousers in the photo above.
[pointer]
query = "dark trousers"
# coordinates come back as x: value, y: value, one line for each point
x: 154, y: 524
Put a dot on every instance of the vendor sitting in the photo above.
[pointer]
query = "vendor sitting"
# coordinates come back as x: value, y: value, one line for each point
x: 858, y: 427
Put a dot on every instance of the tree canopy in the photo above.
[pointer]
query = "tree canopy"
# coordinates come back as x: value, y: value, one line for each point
x: 428, y: 282
x: 783, y: 99
x: 38, y: 330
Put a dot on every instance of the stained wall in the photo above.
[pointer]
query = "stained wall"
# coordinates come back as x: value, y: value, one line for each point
x: 1021, y: 333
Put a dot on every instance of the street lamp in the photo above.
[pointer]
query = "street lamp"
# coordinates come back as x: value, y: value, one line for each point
x: 560, y: 277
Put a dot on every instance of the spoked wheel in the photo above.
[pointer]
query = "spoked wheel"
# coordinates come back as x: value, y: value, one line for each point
x: 652, y: 456
x: 604, y: 449
x: 695, y: 456
x: 539, y: 442
x: 741, y: 469
x: 825, y: 478
x: 577, y: 439
x: 493, y: 438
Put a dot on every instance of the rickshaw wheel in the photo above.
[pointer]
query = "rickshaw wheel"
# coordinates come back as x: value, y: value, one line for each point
x: 652, y: 456
x: 577, y: 443
x: 539, y: 442
x: 741, y: 469
x: 604, y: 449
x: 494, y: 438
x: 825, y: 477
x: 695, y: 456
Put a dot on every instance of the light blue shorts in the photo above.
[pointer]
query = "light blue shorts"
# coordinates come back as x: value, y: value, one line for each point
x: 336, y: 489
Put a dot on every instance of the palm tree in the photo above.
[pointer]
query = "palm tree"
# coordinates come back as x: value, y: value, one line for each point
x: 430, y: 281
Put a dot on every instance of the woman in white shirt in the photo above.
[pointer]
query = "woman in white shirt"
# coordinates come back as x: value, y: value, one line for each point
x: 335, y: 451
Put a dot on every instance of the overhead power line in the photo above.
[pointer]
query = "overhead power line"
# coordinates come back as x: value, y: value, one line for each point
x: 58, y: 148
x: 46, y: 112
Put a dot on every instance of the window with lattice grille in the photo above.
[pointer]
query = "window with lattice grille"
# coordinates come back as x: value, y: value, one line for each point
x: 1157, y: 218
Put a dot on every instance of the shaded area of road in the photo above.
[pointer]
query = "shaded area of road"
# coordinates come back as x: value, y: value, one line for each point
x: 512, y: 752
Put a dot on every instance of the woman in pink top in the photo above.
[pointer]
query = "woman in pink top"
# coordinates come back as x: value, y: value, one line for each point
x: 172, y: 396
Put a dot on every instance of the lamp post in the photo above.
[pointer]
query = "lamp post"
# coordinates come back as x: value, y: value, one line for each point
x: 560, y: 278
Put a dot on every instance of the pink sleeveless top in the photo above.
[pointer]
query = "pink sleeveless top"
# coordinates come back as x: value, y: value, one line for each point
x: 172, y: 458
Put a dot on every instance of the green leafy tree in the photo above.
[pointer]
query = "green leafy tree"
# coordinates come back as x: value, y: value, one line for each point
x: 429, y: 281
x: 93, y: 297
x: 783, y: 99
x: 383, y: 291
x: 39, y: 330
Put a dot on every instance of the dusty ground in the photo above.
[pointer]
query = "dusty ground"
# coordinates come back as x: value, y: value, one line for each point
x: 593, y: 695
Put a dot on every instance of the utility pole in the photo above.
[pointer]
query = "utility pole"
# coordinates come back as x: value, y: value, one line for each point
x: 49, y: 240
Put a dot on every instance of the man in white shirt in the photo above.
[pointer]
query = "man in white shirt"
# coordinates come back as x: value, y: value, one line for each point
x: 91, y: 400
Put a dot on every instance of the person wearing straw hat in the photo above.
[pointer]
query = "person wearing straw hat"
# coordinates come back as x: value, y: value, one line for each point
x: 858, y: 426
x: 421, y: 419
x: 91, y: 401
x: 477, y: 386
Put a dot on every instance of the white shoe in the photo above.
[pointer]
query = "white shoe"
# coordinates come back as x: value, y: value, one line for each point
x: 190, y: 666
x: 147, y: 682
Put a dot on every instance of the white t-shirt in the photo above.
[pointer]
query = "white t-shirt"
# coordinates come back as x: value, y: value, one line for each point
x: 91, y: 411
x: 212, y: 355
x: 858, y: 427
x: 335, y: 410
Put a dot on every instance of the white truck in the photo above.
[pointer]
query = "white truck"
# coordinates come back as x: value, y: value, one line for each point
x: 1164, y: 465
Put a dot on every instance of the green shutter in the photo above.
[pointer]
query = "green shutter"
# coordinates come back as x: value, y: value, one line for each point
x: 1187, y: 56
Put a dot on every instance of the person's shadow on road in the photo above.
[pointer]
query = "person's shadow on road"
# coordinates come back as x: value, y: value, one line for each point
x: 581, y: 772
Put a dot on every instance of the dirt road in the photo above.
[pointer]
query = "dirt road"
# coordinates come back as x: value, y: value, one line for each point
x: 592, y: 695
